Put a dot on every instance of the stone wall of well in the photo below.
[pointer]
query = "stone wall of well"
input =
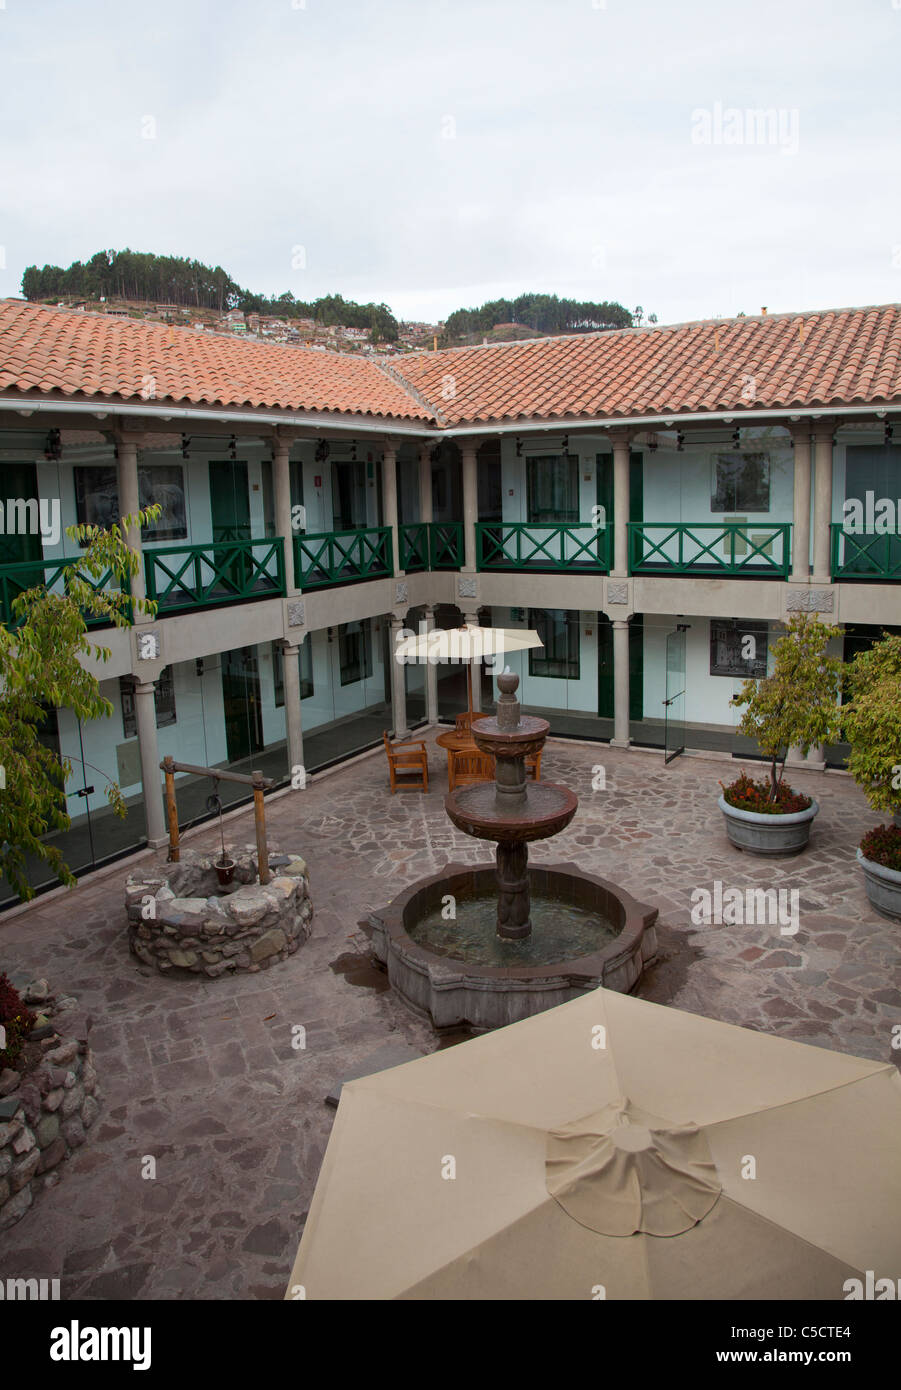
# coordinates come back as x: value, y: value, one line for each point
x: 178, y: 922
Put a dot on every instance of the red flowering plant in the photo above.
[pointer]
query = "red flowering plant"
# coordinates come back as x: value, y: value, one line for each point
x: 16, y: 1020
x: 883, y: 846
x: 795, y: 705
x: 747, y: 795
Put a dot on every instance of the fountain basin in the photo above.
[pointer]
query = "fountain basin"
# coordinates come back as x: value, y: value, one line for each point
x: 522, y: 741
x: 475, y: 811
x: 452, y: 992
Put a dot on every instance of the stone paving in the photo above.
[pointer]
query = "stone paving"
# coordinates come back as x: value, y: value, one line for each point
x: 201, y: 1074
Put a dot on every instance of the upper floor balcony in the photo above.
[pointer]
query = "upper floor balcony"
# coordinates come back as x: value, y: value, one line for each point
x: 542, y: 547
x: 720, y: 504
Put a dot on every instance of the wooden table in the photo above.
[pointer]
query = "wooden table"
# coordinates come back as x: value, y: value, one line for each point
x: 456, y: 741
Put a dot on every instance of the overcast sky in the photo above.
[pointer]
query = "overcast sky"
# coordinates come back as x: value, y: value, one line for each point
x: 437, y: 153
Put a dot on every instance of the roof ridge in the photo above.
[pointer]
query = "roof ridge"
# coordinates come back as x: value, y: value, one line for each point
x: 651, y: 328
x: 419, y: 397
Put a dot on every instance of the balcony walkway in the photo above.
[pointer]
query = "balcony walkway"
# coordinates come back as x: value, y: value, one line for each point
x: 202, y: 1074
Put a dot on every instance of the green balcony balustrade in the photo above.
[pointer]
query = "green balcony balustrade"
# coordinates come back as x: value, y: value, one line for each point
x: 18, y: 578
x: 184, y: 578
x: 445, y: 545
x: 342, y: 557
x: 756, y: 548
x: 431, y: 545
x: 872, y: 555
x: 413, y: 541
x: 542, y: 547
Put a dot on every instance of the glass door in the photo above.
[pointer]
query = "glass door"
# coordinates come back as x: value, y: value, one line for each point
x: 674, y: 704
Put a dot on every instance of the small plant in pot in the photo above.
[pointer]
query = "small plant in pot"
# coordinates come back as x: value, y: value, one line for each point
x: 871, y: 723
x: 795, y: 706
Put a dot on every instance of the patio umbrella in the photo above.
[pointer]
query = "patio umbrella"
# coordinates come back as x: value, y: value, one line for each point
x: 468, y: 643
x: 611, y: 1148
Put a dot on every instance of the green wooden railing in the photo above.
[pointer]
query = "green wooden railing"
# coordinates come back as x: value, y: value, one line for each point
x: 865, y: 554
x: 183, y: 578
x: 431, y: 545
x: 445, y: 545
x: 16, y: 579
x: 342, y: 557
x: 542, y: 547
x: 413, y: 542
x: 710, y: 547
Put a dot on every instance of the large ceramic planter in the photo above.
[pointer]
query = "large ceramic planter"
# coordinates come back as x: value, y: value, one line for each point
x: 756, y: 833
x: 883, y: 887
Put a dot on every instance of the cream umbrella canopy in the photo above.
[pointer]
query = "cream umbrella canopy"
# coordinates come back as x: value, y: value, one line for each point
x: 610, y: 1148
x: 466, y: 644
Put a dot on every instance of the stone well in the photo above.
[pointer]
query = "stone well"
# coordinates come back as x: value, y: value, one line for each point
x: 181, y: 920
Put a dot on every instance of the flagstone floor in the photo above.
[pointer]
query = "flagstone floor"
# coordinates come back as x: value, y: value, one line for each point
x: 202, y: 1076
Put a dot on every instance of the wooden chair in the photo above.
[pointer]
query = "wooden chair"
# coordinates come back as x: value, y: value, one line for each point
x: 404, y: 759
x: 468, y: 767
x: 533, y: 766
x: 464, y: 721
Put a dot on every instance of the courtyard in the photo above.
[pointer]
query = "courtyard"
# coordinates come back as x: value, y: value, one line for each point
x: 201, y: 1075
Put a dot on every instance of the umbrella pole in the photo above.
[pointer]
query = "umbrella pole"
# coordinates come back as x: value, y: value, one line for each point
x: 469, y: 684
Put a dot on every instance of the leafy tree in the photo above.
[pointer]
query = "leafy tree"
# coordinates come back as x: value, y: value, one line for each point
x: 175, y: 280
x: 545, y: 313
x: 796, y: 704
x: 871, y: 721
x: 40, y: 668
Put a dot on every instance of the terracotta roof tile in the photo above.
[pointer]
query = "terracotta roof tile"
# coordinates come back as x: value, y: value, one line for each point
x: 44, y: 349
x: 835, y: 357
x: 828, y: 358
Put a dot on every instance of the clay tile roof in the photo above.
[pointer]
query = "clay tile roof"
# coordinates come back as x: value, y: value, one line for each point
x: 45, y: 349
x: 829, y: 358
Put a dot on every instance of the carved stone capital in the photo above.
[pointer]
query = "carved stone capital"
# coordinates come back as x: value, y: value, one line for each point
x: 296, y: 613
x: 805, y: 600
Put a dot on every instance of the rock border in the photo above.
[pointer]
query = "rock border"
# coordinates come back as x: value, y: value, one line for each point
x: 46, y: 1108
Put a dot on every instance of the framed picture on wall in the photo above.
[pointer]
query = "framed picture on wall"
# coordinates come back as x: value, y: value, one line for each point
x: 738, y: 648
x: 163, y: 699
x: 96, y: 495
x: 741, y: 483
x: 164, y: 485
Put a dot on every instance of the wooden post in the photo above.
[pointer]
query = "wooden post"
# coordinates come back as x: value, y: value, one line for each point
x: 168, y: 766
x: 259, y: 815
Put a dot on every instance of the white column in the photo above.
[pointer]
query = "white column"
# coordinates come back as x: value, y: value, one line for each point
x: 800, y: 548
x: 822, y: 501
x: 398, y: 689
x: 425, y: 482
x: 620, y: 684
x: 431, y: 672
x: 281, y: 471
x: 470, y: 451
x: 621, y: 440
x: 389, y: 499
x: 293, y: 721
x: 151, y: 777
x: 129, y: 503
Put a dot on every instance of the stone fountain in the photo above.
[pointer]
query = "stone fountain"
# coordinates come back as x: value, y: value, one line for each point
x: 481, y: 946
x: 509, y: 812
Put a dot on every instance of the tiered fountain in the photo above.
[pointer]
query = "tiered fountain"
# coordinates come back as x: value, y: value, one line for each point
x: 483, y: 946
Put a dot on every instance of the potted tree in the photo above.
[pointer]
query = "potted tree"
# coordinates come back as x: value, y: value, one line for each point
x: 872, y: 725
x: 794, y: 706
